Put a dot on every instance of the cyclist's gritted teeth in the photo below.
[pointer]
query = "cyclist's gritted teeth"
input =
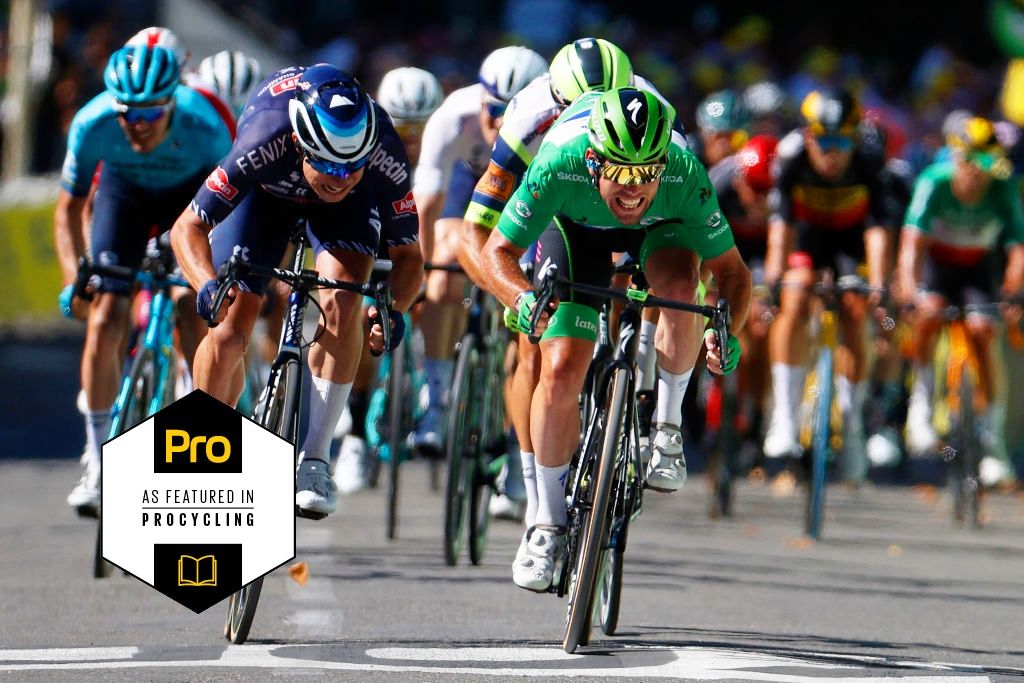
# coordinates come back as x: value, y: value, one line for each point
x: 630, y: 203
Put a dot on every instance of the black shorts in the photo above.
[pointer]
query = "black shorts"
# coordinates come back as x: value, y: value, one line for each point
x: 126, y: 216
x: 259, y: 228
x: 840, y: 250
x: 583, y: 255
x: 960, y: 285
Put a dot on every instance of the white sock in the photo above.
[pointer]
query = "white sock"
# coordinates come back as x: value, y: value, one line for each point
x: 646, y: 356
x: 551, y: 495
x: 439, y: 380
x: 327, y: 401
x: 669, y: 407
x: 530, y: 481
x: 924, y: 384
x: 97, y: 429
x: 787, y: 388
x: 851, y: 396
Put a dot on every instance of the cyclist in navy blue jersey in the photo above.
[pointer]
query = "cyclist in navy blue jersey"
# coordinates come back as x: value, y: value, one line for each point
x: 309, y: 150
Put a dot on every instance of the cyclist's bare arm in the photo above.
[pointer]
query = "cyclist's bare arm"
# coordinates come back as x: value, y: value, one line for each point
x: 778, y: 250
x: 429, y: 208
x: 191, y: 244
x: 734, y: 284
x: 67, y: 233
x: 499, y: 262
x: 876, y: 249
x: 471, y: 243
x: 1013, y: 278
x: 406, y: 275
x: 908, y: 264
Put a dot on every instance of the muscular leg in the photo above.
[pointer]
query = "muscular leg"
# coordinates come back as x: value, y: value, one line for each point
x: 219, y: 368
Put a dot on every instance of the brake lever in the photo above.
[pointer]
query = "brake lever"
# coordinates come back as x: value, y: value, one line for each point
x: 547, y: 292
x: 722, y: 322
x: 380, y: 296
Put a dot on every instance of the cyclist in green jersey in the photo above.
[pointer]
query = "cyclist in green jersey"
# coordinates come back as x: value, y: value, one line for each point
x: 964, y: 212
x: 614, y: 177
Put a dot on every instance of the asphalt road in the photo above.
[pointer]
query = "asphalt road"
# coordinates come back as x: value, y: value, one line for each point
x: 893, y: 590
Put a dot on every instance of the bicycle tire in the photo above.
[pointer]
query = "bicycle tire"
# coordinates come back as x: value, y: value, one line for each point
x: 726, y: 452
x: 137, y: 397
x: 276, y: 412
x: 819, y: 446
x: 488, y: 458
x: 396, y: 399
x: 609, y: 592
x: 581, y: 591
x: 967, y: 492
x: 458, y: 443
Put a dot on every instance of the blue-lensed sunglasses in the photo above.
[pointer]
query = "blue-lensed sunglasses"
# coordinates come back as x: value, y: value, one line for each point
x: 150, y: 114
x: 837, y: 142
x: 334, y: 168
x: 496, y: 108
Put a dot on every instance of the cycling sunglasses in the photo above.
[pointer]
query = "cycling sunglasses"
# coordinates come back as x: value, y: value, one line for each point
x: 828, y: 143
x: 631, y: 174
x: 149, y: 114
x: 334, y: 168
x: 495, y: 107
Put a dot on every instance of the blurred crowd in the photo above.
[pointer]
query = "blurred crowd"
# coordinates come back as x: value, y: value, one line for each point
x: 686, y: 59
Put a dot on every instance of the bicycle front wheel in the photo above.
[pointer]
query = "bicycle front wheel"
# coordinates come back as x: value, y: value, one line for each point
x: 395, y: 401
x: 276, y: 411
x: 460, y: 448
x: 593, y: 523
x: 966, y: 484
x: 819, y: 446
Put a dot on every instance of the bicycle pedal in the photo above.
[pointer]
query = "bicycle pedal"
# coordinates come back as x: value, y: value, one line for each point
x: 307, y: 514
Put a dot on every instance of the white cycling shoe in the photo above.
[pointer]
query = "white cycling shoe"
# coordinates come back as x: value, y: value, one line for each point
x: 780, y: 441
x: 921, y: 436
x: 316, y: 495
x: 539, y: 557
x: 85, y: 496
x: 350, y: 473
x: 667, y: 469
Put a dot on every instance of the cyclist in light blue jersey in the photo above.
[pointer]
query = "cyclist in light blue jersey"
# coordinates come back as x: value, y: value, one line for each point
x: 157, y: 140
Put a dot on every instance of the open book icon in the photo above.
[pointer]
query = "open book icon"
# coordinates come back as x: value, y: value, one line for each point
x: 197, y: 571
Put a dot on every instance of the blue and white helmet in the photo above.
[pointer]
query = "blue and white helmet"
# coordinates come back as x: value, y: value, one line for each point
x: 140, y: 74
x: 333, y: 117
x: 508, y: 70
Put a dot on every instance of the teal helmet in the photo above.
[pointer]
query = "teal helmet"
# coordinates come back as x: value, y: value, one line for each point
x: 631, y: 126
x: 722, y: 111
x: 588, y: 64
x: 138, y: 74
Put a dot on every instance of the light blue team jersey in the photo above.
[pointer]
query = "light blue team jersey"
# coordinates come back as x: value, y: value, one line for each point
x: 196, y: 141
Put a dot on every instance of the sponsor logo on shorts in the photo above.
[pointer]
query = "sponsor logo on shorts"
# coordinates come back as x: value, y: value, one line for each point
x: 217, y: 182
x: 587, y: 325
x: 715, y: 219
x: 404, y: 205
x: 522, y: 209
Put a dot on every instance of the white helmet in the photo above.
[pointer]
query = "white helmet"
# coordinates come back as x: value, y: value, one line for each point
x: 158, y: 36
x: 409, y: 94
x: 508, y: 70
x: 231, y: 75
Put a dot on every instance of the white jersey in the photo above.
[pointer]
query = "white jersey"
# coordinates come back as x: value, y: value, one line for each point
x: 452, y: 134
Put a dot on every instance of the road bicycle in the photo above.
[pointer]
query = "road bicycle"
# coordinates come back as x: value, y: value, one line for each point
x: 279, y: 403
x: 606, y: 478
x: 822, y: 428
x: 475, y: 441
x: 152, y: 362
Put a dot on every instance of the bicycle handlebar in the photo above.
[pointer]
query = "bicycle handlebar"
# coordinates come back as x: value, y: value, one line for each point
x: 446, y: 267
x: 149, y: 273
x: 307, y: 280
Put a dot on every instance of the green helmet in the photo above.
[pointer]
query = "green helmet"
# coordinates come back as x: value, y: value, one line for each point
x: 630, y: 126
x: 588, y: 64
x: 722, y: 111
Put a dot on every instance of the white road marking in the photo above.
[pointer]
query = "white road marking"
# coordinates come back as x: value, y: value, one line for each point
x: 687, y: 663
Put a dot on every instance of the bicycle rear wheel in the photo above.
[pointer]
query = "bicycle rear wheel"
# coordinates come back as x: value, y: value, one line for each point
x: 593, y: 521
x: 395, y: 402
x: 460, y: 447
x: 276, y: 411
x: 491, y: 455
x: 819, y: 446
x: 609, y: 591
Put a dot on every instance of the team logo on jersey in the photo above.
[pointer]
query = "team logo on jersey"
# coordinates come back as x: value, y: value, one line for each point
x: 522, y: 209
x: 217, y: 182
x: 715, y: 219
x: 405, y: 205
x: 497, y: 182
x: 284, y: 86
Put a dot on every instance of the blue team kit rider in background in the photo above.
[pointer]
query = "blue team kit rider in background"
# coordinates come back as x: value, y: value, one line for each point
x: 308, y: 151
x: 157, y: 140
